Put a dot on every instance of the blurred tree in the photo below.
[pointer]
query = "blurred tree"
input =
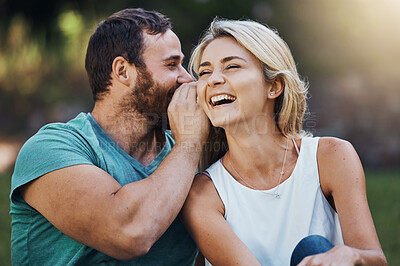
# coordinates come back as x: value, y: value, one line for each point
x: 348, y: 50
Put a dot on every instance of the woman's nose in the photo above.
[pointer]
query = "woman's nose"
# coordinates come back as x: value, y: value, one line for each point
x: 215, y: 78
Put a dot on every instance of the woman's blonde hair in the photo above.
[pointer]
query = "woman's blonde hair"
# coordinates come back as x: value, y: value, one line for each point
x: 277, y: 62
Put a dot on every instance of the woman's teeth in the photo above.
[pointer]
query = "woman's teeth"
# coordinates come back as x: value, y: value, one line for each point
x: 222, y: 99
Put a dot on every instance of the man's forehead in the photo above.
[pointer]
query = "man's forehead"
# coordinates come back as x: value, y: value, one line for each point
x: 164, y: 46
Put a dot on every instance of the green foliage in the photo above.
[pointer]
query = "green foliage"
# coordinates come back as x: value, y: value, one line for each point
x: 348, y: 50
x: 42, y: 51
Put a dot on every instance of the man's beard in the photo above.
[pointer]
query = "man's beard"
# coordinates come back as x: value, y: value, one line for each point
x: 150, y: 99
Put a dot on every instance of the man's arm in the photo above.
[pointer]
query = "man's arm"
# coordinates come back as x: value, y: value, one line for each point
x: 87, y: 204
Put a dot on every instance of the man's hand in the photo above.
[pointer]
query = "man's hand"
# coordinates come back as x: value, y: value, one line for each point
x: 186, y: 117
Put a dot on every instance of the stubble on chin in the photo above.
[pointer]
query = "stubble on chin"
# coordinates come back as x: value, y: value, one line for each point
x: 148, y: 101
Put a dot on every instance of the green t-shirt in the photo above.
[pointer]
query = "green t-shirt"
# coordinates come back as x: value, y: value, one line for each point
x: 35, y: 241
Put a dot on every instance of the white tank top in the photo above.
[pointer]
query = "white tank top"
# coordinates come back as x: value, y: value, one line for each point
x: 271, y: 227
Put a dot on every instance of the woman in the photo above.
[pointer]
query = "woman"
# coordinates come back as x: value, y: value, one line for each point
x: 275, y: 185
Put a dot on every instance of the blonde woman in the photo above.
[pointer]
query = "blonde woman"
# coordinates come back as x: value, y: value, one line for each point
x: 275, y: 185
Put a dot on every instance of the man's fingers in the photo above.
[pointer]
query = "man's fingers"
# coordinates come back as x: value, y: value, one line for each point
x: 192, y: 94
x: 188, y: 88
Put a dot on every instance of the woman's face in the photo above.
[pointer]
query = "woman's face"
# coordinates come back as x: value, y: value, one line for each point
x: 231, y: 85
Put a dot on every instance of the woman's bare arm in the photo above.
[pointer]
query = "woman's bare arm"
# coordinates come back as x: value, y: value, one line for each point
x: 342, y: 177
x: 203, y: 215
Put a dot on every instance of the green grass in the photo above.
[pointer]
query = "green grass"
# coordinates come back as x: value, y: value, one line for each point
x: 383, y: 189
x: 5, y: 184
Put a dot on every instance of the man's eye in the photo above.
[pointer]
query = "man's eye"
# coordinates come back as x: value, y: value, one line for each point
x: 172, y: 65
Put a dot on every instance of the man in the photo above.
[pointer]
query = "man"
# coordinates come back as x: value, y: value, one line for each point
x: 107, y: 186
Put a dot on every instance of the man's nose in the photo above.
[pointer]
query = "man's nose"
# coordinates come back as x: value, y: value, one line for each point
x: 184, y: 76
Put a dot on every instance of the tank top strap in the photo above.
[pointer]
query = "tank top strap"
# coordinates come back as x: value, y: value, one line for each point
x: 309, y: 147
x: 307, y: 165
x: 296, y: 147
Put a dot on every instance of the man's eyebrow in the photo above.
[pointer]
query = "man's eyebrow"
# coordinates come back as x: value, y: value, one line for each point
x: 223, y: 60
x: 174, y: 57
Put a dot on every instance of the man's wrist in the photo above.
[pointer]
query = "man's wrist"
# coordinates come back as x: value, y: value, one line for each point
x: 357, y: 258
x: 189, y: 145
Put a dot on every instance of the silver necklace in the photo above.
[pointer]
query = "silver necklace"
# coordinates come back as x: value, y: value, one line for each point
x: 275, y: 194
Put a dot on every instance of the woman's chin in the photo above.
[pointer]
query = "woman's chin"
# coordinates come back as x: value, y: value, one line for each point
x: 220, y: 123
x: 216, y: 123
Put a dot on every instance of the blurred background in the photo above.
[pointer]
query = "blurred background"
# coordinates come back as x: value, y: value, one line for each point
x: 349, y: 51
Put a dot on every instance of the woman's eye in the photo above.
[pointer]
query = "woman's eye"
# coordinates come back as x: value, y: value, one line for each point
x: 232, y: 66
x: 203, y: 73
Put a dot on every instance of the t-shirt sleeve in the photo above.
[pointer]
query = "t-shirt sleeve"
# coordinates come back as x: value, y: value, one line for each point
x: 48, y: 150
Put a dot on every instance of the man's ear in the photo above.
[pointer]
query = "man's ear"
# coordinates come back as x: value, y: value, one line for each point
x: 122, y: 70
x: 275, y: 89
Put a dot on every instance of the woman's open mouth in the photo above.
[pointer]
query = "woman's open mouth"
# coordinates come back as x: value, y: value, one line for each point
x: 222, y: 99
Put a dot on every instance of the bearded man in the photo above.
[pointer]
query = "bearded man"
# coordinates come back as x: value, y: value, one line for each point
x: 107, y: 186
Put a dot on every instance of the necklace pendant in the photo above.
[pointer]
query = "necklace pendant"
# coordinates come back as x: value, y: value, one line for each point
x: 277, y: 196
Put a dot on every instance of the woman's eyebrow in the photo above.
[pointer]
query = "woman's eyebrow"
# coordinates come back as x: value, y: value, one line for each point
x: 223, y: 60
x: 206, y: 63
x: 229, y: 58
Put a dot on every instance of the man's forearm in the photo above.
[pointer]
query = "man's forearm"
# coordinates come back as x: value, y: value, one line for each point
x: 156, y: 200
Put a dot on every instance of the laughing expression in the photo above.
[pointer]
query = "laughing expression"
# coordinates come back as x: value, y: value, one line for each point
x: 231, y: 85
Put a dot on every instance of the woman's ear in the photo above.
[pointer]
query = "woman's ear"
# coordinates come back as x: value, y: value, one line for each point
x: 275, y: 89
x: 121, y: 70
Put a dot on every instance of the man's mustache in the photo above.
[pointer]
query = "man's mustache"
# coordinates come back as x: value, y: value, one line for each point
x: 172, y: 90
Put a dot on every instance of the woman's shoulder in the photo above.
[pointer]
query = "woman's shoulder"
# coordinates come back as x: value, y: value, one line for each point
x: 334, y: 151
x: 338, y: 162
x: 201, y: 182
x: 203, y: 195
x: 332, y: 146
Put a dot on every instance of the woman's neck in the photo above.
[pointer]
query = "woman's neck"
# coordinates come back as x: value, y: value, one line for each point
x: 259, y: 158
